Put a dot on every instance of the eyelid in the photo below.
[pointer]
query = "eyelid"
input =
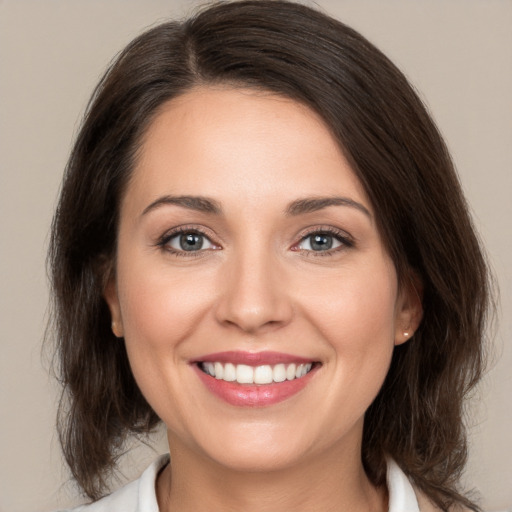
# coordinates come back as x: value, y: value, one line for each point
x: 163, y: 241
x: 347, y: 240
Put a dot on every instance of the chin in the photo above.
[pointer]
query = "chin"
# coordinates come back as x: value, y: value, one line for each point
x: 247, y: 447
x: 257, y: 458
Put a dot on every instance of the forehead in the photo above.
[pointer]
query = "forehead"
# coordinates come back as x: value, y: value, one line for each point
x: 231, y: 143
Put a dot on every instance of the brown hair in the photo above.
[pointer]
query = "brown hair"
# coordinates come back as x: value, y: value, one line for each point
x: 395, y: 150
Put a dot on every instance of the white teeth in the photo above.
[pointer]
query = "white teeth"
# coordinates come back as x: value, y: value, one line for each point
x: 219, y: 371
x: 209, y: 369
x: 264, y: 374
x: 279, y: 373
x: 229, y: 372
x: 244, y: 374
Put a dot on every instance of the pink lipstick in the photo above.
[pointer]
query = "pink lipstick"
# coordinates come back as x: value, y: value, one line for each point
x: 254, y: 379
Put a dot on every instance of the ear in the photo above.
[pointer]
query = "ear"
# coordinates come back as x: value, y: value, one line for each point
x: 409, y: 309
x: 112, y: 298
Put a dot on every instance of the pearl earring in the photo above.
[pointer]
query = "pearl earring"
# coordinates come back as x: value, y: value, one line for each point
x: 114, y: 329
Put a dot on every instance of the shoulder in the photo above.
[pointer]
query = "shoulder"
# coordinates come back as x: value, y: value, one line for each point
x: 137, y: 496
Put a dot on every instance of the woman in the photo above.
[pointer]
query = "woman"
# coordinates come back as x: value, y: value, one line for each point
x: 261, y: 241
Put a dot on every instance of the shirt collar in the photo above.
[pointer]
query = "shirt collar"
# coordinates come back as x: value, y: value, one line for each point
x: 402, y: 497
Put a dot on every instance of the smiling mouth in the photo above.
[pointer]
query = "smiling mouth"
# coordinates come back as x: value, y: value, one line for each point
x: 255, y: 379
x: 263, y: 374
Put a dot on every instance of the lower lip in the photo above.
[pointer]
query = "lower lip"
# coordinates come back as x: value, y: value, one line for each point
x: 253, y: 395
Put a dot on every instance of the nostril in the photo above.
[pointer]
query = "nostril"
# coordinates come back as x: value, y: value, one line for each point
x: 254, y: 297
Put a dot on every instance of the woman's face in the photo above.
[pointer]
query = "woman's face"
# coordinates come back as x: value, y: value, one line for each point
x: 248, y: 255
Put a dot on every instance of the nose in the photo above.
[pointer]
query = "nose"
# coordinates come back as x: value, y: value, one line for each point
x: 254, y: 295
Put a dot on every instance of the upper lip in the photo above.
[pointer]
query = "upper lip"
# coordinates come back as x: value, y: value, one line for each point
x: 252, y: 358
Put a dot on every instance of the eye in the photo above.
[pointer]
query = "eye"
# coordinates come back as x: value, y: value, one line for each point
x: 187, y: 241
x: 319, y: 242
x: 324, y: 241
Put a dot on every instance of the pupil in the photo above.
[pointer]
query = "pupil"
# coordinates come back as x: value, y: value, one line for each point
x: 191, y: 242
x: 321, y: 242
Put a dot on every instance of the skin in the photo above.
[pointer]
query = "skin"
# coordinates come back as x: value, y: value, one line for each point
x: 257, y: 285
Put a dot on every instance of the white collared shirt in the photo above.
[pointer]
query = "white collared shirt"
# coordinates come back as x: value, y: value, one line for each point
x: 140, y: 495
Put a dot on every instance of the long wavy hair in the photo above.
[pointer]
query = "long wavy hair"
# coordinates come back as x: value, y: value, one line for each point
x: 398, y: 155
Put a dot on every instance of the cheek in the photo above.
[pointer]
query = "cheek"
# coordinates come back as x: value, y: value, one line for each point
x: 160, y: 306
x: 355, y: 307
x: 355, y: 315
x: 160, y: 311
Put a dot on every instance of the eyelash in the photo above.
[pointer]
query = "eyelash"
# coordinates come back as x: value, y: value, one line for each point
x: 164, y: 240
x: 346, y: 241
x: 344, y: 238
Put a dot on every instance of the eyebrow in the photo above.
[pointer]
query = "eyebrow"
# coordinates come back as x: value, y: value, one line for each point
x: 197, y: 203
x: 297, y: 207
x: 313, y: 204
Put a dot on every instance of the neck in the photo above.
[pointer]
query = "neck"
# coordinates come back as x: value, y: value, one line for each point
x: 331, y: 482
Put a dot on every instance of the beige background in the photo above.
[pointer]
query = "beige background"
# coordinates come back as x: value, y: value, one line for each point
x: 457, y: 52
